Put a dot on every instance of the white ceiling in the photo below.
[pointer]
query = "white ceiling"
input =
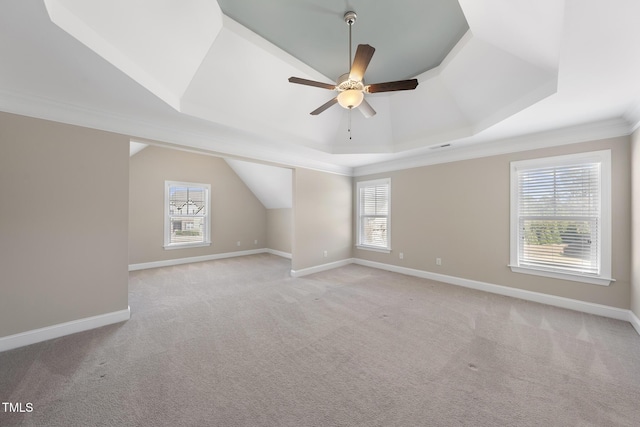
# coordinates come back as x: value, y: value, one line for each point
x: 525, y: 74
x: 271, y: 185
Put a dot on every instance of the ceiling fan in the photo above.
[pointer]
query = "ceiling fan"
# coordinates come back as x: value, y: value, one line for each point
x: 351, y: 86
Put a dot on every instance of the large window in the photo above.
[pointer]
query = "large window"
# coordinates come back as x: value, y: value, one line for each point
x: 561, y: 217
x: 187, y: 220
x: 374, y: 200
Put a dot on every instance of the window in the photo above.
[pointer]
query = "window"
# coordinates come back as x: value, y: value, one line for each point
x: 373, y: 214
x: 186, y: 220
x: 561, y: 217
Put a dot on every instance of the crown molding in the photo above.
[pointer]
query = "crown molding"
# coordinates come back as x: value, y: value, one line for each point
x: 224, y: 142
x: 217, y: 140
x: 632, y: 115
x: 466, y: 150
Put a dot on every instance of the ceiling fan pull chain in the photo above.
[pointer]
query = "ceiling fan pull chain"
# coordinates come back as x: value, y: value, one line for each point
x: 349, y: 130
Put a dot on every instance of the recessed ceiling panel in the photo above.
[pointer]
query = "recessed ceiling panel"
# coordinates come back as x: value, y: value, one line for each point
x: 410, y: 37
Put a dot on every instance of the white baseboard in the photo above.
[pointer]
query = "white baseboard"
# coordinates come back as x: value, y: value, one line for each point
x: 178, y: 261
x: 571, y: 304
x: 562, y: 302
x: 319, y: 268
x: 55, y: 331
x: 279, y: 253
x: 635, y: 322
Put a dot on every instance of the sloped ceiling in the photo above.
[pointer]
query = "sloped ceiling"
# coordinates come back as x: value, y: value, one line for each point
x: 190, y: 74
x: 273, y: 186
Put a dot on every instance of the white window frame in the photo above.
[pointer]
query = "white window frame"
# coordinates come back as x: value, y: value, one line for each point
x: 604, y: 159
x: 167, y: 222
x: 359, y: 216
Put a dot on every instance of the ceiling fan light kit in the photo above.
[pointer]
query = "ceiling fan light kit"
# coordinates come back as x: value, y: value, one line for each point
x: 350, y: 86
x: 350, y: 98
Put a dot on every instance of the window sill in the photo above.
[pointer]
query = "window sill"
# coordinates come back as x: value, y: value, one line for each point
x: 593, y: 280
x: 185, y: 245
x: 374, y: 249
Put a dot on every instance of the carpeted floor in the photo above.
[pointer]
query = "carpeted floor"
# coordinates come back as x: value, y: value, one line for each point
x: 237, y: 342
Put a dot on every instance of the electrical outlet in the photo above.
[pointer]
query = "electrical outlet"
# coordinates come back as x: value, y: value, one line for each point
x: 325, y: 254
x: 401, y: 255
x: 255, y: 242
x: 438, y: 261
x: 238, y: 243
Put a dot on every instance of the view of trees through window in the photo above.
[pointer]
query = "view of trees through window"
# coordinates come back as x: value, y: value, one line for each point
x: 559, y: 216
x: 553, y: 242
x: 375, y: 231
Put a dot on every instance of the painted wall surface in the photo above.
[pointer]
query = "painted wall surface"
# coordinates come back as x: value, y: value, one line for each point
x: 63, y: 223
x: 236, y: 214
x: 459, y: 212
x: 322, y: 218
x: 635, y: 227
x: 280, y: 229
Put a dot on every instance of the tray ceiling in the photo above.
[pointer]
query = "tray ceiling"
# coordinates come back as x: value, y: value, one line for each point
x: 213, y: 75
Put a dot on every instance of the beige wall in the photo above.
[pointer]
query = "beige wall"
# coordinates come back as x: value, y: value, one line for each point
x: 322, y: 218
x: 280, y: 229
x: 236, y: 214
x: 635, y: 228
x: 459, y: 212
x: 63, y: 223
x: 83, y: 205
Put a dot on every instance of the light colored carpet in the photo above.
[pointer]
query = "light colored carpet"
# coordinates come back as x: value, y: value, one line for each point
x: 237, y: 342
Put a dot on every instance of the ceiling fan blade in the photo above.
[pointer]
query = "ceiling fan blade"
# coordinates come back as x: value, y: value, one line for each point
x: 324, y: 106
x: 306, y: 82
x: 364, y: 53
x: 392, y: 86
x: 366, y: 109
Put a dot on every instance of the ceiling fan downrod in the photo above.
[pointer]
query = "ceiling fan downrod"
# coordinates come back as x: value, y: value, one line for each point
x: 350, y: 86
x: 350, y: 18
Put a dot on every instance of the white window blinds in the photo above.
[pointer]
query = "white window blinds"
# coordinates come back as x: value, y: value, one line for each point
x: 559, y: 215
x: 559, y: 220
x: 373, y: 213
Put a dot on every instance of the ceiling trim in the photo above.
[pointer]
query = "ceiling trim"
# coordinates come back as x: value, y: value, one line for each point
x: 47, y: 109
x: 459, y: 151
x: 211, y: 142
x: 633, y: 116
